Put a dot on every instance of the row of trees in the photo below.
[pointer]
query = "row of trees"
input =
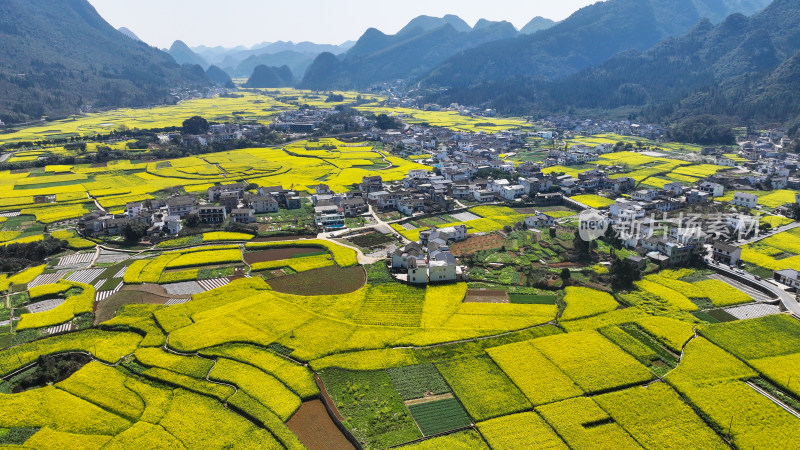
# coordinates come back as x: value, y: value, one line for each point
x: 16, y: 257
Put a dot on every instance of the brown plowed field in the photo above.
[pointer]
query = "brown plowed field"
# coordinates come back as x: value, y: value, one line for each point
x: 486, y: 296
x: 315, y: 429
x: 277, y: 254
x: 108, y: 308
x: 331, y: 280
x: 477, y: 243
x: 283, y: 238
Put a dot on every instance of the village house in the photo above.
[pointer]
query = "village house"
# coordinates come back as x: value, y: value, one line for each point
x: 329, y: 217
x: 215, y: 192
x: 789, y: 277
x: 262, y: 204
x: 134, y: 208
x: 745, y: 200
x: 173, y: 224
x: 446, y: 235
x: 399, y: 259
x: 293, y: 201
x: 385, y: 201
x: 230, y: 200
x: 211, y: 214
x: 726, y: 253
x: 645, y: 195
x: 675, y: 188
x: 539, y: 220
x: 714, y: 189
x: 243, y: 215
x: 370, y: 184
x: 696, y: 196
x: 484, y: 195
x: 512, y: 192
x: 354, y: 206
x: 180, y: 206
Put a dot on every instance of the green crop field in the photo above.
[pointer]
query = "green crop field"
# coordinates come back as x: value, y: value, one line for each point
x: 418, y: 381
x: 222, y: 336
x: 439, y: 416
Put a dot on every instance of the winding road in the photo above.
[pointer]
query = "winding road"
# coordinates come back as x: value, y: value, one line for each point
x: 787, y: 299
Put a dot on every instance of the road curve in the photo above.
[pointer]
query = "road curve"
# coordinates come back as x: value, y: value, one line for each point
x: 787, y: 300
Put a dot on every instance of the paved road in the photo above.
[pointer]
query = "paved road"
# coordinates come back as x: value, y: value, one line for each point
x: 386, y: 225
x: 787, y: 299
x: 791, y: 226
x: 362, y: 258
x: 5, y: 156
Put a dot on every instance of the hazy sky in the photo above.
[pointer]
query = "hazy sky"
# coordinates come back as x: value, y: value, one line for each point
x: 246, y: 22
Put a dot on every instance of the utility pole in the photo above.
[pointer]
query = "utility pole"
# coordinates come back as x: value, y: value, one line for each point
x: 730, y: 426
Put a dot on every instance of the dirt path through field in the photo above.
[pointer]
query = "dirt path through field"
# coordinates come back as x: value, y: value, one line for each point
x: 432, y: 398
x: 327, y: 398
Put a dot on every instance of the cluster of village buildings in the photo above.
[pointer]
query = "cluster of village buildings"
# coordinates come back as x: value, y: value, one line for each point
x: 460, y: 158
x: 231, y: 202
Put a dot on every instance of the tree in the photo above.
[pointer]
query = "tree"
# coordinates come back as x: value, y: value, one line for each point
x: 696, y: 257
x: 623, y: 273
x: 795, y: 211
x: 582, y: 247
x: 612, y: 239
x: 195, y: 125
x: 133, y: 231
x: 385, y: 122
x: 192, y: 220
x: 566, y: 274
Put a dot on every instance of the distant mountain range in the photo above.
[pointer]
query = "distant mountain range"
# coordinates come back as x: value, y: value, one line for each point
x: 270, y: 77
x: 57, y: 56
x: 447, y: 52
x: 219, y: 77
x: 746, y: 69
x: 240, y: 62
x: 129, y: 33
x: 657, y: 59
x: 538, y: 23
x: 416, y: 49
x: 184, y: 55
x: 588, y: 37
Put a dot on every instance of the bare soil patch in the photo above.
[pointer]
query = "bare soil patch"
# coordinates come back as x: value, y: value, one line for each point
x: 331, y: 280
x: 477, y: 243
x: 428, y: 399
x: 486, y: 296
x: 315, y: 428
x: 277, y: 254
x: 283, y: 238
x: 108, y: 308
x: 150, y: 288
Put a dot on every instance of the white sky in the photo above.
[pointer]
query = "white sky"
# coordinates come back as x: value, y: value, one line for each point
x: 247, y: 22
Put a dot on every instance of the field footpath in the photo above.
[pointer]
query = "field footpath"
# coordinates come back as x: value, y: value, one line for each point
x: 475, y: 339
x: 432, y: 398
x: 334, y: 413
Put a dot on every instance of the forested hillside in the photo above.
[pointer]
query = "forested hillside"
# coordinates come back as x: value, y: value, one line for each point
x: 744, y: 68
x: 587, y: 38
x: 416, y: 49
x: 59, y: 55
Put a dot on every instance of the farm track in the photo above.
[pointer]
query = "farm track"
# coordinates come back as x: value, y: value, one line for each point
x: 772, y: 398
x: 219, y: 167
x: 482, y: 338
x: 432, y: 398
